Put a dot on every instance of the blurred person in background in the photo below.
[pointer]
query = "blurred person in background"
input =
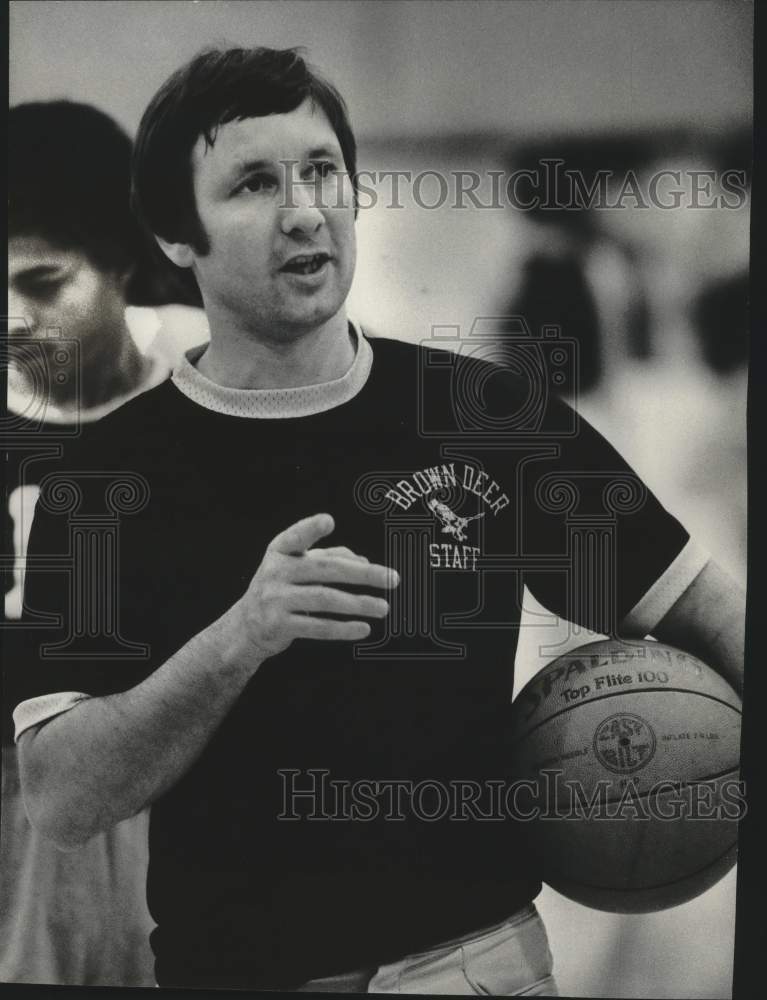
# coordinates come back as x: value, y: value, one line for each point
x: 654, y: 292
x: 721, y: 323
x: 89, y: 329
x: 81, y: 270
x: 577, y: 275
x: 690, y: 263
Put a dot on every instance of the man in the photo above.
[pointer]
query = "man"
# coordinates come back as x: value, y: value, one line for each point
x: 83, y: 338
x: 253, y: 663
x: 79, y: 346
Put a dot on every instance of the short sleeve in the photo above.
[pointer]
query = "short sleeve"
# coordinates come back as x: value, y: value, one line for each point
x: 666, y: 591
x: 596, y: 539
x: 35, y: 711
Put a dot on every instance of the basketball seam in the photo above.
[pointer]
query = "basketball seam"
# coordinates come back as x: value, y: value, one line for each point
x: 618, y: 694
x: 653, y: 791
x: 660, y: 885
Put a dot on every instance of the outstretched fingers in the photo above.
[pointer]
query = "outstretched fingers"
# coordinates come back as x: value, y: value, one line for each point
x: 297, y: 584
x: 328, y: 600
x: 306, y: 627
x: 337, y: 551
x: 321, y: 568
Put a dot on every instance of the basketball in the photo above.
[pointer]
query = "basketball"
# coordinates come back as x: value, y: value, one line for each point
x: 628, y: 754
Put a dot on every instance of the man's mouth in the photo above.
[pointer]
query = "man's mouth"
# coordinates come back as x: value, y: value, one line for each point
x: 306, y: 263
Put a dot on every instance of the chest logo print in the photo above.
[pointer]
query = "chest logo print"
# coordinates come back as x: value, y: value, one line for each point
x: 452, y: 523
x: 442, y: 491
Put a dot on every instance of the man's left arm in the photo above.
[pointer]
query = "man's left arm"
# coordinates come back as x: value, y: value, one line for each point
x: 661, y: 582
x: 708, y: 621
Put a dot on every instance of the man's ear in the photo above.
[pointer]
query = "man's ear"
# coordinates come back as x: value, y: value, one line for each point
x: 181, y: 254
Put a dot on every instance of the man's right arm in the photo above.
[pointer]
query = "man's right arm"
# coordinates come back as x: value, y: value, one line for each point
x: 107, y: 758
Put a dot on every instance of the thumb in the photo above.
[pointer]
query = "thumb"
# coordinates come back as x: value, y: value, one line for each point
x: 302, y: 535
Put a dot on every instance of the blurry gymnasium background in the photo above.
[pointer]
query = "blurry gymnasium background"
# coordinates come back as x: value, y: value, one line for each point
x: 655, y: 297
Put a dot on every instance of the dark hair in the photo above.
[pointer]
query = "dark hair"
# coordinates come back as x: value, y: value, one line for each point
x: 69, y: 181
x: 217, y: 87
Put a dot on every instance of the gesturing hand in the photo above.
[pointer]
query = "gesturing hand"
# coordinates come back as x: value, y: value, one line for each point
x: 296, y: 582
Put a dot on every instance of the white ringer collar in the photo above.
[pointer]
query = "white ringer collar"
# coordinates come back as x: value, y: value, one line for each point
x: 302, y: 401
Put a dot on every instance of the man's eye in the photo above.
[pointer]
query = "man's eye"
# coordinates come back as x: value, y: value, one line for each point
x: 41, y: 288
x: 257, y: 183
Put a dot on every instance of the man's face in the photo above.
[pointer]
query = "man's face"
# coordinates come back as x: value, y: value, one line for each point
x: 53, y: 289
x: 282, y: 241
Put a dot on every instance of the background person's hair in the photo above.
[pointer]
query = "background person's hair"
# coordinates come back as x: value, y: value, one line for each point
x: 214, y: 88
x: 69, y: 182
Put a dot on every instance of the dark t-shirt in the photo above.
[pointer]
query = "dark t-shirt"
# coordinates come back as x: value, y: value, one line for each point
x: 31, y: 448
x: 470, y: 485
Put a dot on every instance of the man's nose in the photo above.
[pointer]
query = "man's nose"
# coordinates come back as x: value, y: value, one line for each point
x: 302, y: 212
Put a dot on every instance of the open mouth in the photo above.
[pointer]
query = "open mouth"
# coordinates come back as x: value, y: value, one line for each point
x: 306, y: 263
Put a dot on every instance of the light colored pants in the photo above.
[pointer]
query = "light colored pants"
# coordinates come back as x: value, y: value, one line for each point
x: 510, y: 959
x: 71, y: 918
